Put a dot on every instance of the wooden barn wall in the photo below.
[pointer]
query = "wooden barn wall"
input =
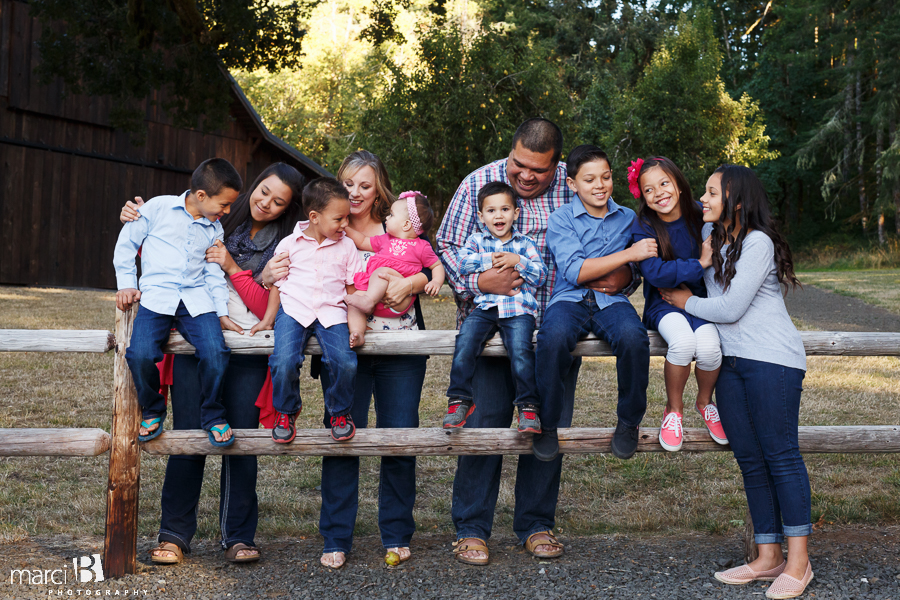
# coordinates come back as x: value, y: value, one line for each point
x: 65, y: 173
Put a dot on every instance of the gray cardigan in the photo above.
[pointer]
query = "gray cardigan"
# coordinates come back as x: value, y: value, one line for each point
x: 750, y: 316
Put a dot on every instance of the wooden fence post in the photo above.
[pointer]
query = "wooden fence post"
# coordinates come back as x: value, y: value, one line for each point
x: 120, y: 543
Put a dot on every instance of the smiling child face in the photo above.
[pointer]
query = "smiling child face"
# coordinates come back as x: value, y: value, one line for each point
x: 661, y: 194
x: 498, y: 213
x: 593, y: 184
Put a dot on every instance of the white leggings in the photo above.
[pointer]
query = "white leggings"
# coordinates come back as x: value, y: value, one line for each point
x: 685, y: 344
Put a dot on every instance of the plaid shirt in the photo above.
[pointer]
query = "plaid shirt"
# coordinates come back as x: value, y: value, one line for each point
x: 461, y: 221
x: 477, y: 257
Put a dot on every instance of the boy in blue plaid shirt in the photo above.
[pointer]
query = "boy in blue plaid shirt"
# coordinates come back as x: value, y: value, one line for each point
x: 502, y: 247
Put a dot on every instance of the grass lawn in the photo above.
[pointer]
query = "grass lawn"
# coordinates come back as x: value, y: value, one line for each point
x: 650, y: 493
x: 878, y: 287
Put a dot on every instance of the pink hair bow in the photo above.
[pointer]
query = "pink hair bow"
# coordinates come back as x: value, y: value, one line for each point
x: 410, y: 197
x: 634, y: 172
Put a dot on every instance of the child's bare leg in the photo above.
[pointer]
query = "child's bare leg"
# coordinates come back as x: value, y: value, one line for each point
x: 706, y: 383
x: 356, y: 322
x: 676, y: 379
x: 366, y: 300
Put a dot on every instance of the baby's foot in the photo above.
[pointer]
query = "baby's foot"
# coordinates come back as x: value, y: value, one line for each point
x: 357, y: 338
x: 361, y: 302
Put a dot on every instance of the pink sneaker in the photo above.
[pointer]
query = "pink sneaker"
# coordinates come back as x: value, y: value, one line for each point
x: 671, y: 434
x: 744, y: 574
x: 710, y: 416
x: 788, y: 587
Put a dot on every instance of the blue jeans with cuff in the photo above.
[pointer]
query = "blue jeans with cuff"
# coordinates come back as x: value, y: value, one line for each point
x: 395, y: 382
x: 290, y: 341
x: 759, y: 404
x: 516, y: 332
x: 204, y: 332
x: 477, y: 482
x: 238, y: 504
x: 619, y: 325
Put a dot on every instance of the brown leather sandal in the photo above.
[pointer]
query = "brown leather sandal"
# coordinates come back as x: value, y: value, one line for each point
x: 466, y: 545
x: 231, y: 555
x: 166, y: 560
x: 544, y: 538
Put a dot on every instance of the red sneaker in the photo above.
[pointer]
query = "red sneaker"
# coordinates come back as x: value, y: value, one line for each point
x: 710, y: 416
x: 671, y: 434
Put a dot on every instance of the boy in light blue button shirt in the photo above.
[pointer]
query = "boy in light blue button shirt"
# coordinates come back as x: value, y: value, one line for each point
x: 589, y: 239
x: 179, y: 286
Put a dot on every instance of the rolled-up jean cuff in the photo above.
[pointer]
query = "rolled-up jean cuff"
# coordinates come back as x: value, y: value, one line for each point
x: 768, y: 538
x: 797, y: 530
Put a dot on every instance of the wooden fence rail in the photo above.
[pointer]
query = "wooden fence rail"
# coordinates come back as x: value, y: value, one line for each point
x: 123, y: 488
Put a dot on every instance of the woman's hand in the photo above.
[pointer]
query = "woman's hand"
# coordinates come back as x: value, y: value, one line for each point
x: 229, y: 325
x: 398, y: 290
x: 277, y: 268
x: 129, y: 211
x: 677, y: 297
x: 219, y: 254
x: 706, y: 253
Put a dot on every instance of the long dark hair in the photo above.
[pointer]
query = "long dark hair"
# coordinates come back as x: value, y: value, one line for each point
x: 690, y: 212
x: 289, y: 176
x: 741, y: 186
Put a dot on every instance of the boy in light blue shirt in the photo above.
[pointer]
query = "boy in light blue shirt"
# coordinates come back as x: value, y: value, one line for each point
x: 179, y: 286
x: 589, y: 239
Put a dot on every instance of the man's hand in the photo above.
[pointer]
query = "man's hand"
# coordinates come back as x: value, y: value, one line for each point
x: 613, y: 282
x: 125, y: 298
x: 505, y: 283
x: 277, y: 268
x: 229, y: 325
x: 504, y: 260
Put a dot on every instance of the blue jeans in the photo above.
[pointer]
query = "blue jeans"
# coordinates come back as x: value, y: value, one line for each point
x: 477, y: 481
x: 759, y: 404
x: 396, y: 384
x: 290, y: 342
x: 238, y: 506
x: 204, y: 332
x: 619, y: 325
x: 516, y: 333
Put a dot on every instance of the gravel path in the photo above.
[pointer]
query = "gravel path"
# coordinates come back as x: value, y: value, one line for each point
x: 832, y: 312
x: 849, y: 563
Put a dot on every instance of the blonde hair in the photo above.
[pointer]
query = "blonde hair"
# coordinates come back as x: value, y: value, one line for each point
x: 384, y: 197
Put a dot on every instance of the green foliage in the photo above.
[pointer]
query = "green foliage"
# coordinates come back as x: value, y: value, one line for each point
x: 129, y: 49
x: 459, y: 106
x: 680, y: 108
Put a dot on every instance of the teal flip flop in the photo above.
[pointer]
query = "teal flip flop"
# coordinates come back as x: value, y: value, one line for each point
x: 147, y: 425
x: 221, y: 430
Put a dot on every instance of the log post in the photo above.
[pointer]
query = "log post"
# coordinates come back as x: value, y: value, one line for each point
x: 120, y: 543
x: 751, y: 550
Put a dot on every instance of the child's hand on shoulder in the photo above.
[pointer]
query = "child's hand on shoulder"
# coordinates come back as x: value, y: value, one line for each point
x: 643, y: 249
x: 125, y: 298
x: 263, y: 325
x: 229, y: 325
x: 706, y: 253
x: 504, y: 260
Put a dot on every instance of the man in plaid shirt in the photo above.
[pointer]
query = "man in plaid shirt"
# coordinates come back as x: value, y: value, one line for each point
x: 534, y: 172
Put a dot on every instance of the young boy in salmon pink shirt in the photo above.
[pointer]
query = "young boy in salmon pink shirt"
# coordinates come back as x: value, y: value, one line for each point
x: 310, y: 301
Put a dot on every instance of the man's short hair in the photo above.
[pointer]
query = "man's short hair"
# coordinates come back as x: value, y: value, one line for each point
x: 540, y: 135
x: 495, y: 187
x: 581, y: 155
x: 214, y: 174
x: 319, y: 192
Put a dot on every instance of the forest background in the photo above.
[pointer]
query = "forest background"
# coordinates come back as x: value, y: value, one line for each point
x: 806, y: 92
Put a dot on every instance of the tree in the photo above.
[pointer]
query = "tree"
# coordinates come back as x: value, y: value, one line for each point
x: 680, y: 108
x: 128, y: 49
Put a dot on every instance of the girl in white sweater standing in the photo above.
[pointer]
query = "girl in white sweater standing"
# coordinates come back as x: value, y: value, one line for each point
x: 764, y: 362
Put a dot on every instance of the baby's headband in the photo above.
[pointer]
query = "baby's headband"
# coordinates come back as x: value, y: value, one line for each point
x: 634, y: 172
x: 410, y: 197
